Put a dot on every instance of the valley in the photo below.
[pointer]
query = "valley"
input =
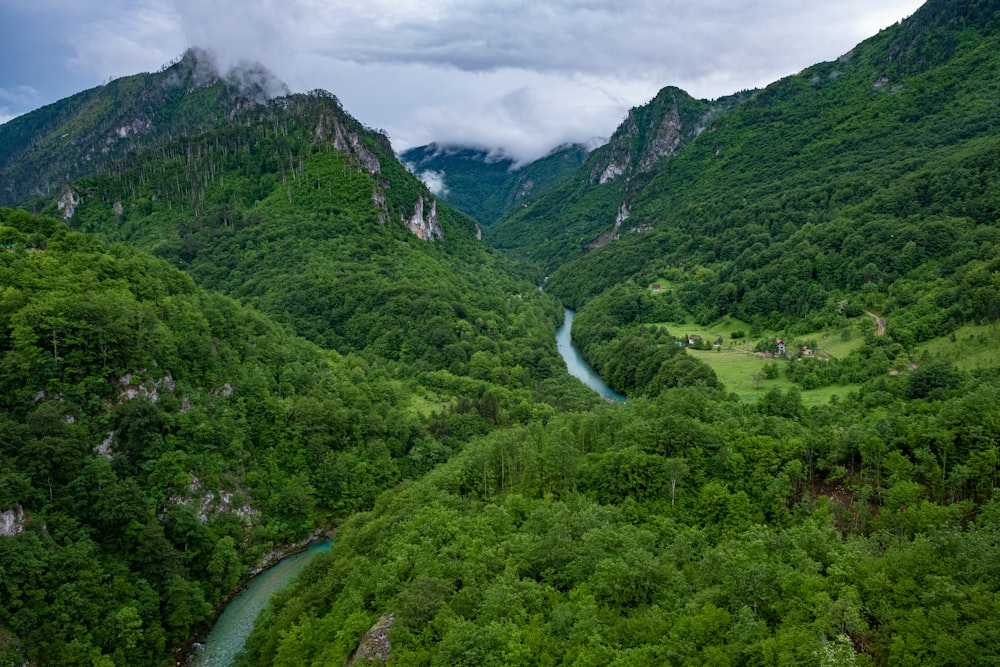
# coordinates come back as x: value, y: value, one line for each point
x: 244, y: 320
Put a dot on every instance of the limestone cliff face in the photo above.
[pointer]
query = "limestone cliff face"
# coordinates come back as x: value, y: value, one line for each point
x: 12, y: 522
x: 375, y: 647
x: 650, y: 134
x: 67, y: 203
x: 666, y: 141
x: 614, y: 233
x: 425, y: 226
x: 329, y: 127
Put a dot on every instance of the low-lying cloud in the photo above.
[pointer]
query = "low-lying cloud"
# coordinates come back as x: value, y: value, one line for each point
x: 524, y: 75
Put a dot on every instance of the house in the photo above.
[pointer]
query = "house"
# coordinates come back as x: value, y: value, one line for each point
x: 693, y: 339
x: 781, y: 346
x: 656, y: 287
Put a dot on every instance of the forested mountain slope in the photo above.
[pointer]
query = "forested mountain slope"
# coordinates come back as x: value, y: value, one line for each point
x: 692, y: 528
x: 296, y: 208
x: 688, y: 530
x: 157, y: 440
x: 44, y: 151
x: 873, y: 178
x: 488, y: 186
x: 587, y: 209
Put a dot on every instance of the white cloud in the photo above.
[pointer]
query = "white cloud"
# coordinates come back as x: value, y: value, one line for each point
x: 435, y: 181
x: 126, y: 40
x: 15, y: 98
x: 19, y: 95
x: 522, y: 74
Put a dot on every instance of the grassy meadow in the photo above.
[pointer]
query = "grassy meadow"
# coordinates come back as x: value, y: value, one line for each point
x: 741, y: 369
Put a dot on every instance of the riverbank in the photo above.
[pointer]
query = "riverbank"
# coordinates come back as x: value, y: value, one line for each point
x: 188, y: 652
x: 577, y: 365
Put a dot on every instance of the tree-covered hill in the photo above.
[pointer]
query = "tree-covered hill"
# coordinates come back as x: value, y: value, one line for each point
x: 872, y: 178
x: 158, y: 440
x: 688, y: 530
x: 296, y: 208
x: 587, y: 209
x: 42, y: 152
x: 486, y: 185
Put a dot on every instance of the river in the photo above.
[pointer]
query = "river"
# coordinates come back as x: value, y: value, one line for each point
x: 233, y: 626
x: 577, y: 365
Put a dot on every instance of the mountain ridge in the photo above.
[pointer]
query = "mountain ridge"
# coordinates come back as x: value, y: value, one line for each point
x: 592, y: 204
x: 780, y: 164
x: 46, y: 149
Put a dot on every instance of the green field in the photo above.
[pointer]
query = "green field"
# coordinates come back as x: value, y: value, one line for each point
x: 719, y: 329
x: 426, y: 402
x: 742, y: 373
x: 741, y: 370
x: 970, y: 347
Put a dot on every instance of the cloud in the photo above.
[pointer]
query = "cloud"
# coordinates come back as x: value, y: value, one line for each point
x: 691, y: 40
x: 19, y: 95
x: 265, y: 31
x: 434, y: 180
x: 13, y: 101
x: 126, y: 39
x: 524, y: 75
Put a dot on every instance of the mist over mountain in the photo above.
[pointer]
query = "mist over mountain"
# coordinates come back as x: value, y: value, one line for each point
x: 489, y: 184
x: 47, y: 149
x: 233, y: 321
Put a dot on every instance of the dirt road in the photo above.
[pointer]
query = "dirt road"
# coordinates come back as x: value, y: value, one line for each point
x: 879, y: 323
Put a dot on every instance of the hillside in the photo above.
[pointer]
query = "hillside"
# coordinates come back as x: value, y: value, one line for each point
x: 587, y: 210
x: 691, y: 529
x: 485, y: 185
x: 296, y: 208
x: 260, y: 326
x: 158, y: 441
x: 44, y: 151
x: 687, y: 526
x: 870, y: 179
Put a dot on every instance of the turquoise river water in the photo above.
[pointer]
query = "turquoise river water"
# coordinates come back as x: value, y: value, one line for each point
x: 577, y: 365
x: 233, y: 626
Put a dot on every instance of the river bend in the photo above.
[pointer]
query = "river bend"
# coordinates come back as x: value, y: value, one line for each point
x: 576, y: 364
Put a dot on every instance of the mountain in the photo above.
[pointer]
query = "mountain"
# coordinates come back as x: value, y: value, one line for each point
x: 159, y: 439
x: 367, y: 362
x: 487, y: 185
x: 838, y: 182
x: 45, y: 150
x: 577, y: 213
x: 296, y: 208
x: 690, y: 526
x: 158, y: 442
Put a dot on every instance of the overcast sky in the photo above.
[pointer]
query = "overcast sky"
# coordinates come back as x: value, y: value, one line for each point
x: 525, y: 75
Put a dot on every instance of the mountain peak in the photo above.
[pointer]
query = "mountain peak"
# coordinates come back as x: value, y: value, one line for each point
x: 42, y: 151
x: 251, y: 79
